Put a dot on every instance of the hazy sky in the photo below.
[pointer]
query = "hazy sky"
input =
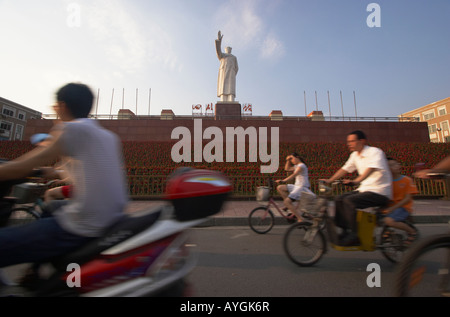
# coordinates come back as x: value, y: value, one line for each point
x: 284, y: 48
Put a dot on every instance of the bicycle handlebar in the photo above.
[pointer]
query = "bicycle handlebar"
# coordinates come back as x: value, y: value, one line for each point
x: 437, y: 174
x: 337, y: 182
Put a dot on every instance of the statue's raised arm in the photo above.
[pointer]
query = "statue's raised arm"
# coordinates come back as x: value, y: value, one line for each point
x: 219, y: 45
x: 226, y: 85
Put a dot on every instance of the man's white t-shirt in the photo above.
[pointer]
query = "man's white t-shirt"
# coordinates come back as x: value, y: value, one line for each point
x: 97, y: 175
x: 380, y: 181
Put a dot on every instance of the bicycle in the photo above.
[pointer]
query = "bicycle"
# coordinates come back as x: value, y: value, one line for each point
x: 425, y: 269
x: 262, y: 219
x: 305, y: 243
x: 21, y: 207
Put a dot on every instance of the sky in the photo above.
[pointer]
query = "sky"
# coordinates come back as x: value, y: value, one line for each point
x: 160, y: 54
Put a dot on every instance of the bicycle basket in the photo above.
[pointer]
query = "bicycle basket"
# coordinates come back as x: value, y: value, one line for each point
x: 28, y: 192
x: 310, y: 203
x: 262, y: 194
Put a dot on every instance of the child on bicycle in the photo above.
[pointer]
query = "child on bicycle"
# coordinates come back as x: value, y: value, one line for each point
x: 292, y: 192
x: 401, y: 206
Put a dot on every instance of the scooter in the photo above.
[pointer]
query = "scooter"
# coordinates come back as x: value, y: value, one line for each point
x: 144, y: 254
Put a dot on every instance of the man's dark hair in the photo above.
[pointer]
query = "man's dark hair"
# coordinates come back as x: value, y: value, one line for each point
x: 359, y: 134
x: 78, y: 98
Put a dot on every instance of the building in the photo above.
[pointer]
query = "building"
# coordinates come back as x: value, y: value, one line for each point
x: 314, y: 128
x: 13, y: 120
x: 437, y: 116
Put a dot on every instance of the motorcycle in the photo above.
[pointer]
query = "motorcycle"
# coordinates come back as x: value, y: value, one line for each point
x: 144, y: 254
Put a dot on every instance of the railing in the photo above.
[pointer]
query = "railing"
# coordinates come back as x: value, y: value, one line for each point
x: 244, y: 117
x: 153, y: 186
x: 432, y: 188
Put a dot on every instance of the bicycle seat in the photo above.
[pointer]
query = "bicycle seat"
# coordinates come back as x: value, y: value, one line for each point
x: 122, y: 230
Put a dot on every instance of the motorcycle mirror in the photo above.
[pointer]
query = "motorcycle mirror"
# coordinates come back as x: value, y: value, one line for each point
x: 40, y: 137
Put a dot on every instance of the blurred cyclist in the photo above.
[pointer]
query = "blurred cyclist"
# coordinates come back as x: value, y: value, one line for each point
x: 442, y: 167
x: 97, y: 175
x: 374, y: 180
x: 293, y: 192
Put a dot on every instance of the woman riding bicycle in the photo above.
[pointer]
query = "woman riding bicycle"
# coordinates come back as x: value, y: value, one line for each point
x: 292, y: 192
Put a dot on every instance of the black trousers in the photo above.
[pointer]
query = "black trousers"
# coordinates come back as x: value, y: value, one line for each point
x: 347, y: 205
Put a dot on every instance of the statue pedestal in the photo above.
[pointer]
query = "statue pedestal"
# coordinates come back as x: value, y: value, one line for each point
x: 228, y: 111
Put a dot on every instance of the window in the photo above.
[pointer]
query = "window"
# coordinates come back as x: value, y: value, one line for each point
x: 21, y: 115
x: 428, y: 116
x: 444, y: 126
x: 442, y: 111
x: 432, y: 128
x: 19, y: 132
x: 5, y: 126
x: 9, y: 112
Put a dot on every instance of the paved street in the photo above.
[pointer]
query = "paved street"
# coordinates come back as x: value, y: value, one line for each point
x: 235, y: 262
x: 235, y: 212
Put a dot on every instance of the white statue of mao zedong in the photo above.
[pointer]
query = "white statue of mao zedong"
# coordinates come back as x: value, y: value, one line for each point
x: 226, y: 85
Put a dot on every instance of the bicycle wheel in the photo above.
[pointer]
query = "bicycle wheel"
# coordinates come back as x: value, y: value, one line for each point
x: 304, y: 244
x: 261, y: 220
x: 21, y: 216
x: 425, y: 268
x: 393, y: 244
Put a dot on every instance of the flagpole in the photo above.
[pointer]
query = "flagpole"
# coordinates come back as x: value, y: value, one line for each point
x: 98, y: 98
x: 329, y: 104
x: 317, y: 104
x: 342, y: 105
x: 149, y: 100
x: 112, y: 100
x: 137, y: 101
x: 123, y: 98
x: 306, y: 110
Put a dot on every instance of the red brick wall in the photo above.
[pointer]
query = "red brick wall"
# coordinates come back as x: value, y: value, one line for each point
x: 290, y: 130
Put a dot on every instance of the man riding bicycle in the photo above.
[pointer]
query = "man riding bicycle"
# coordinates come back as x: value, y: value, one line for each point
x: 374, y: 180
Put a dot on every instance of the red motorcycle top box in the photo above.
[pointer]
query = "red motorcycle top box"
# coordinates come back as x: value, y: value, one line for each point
x: 197, y: 194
